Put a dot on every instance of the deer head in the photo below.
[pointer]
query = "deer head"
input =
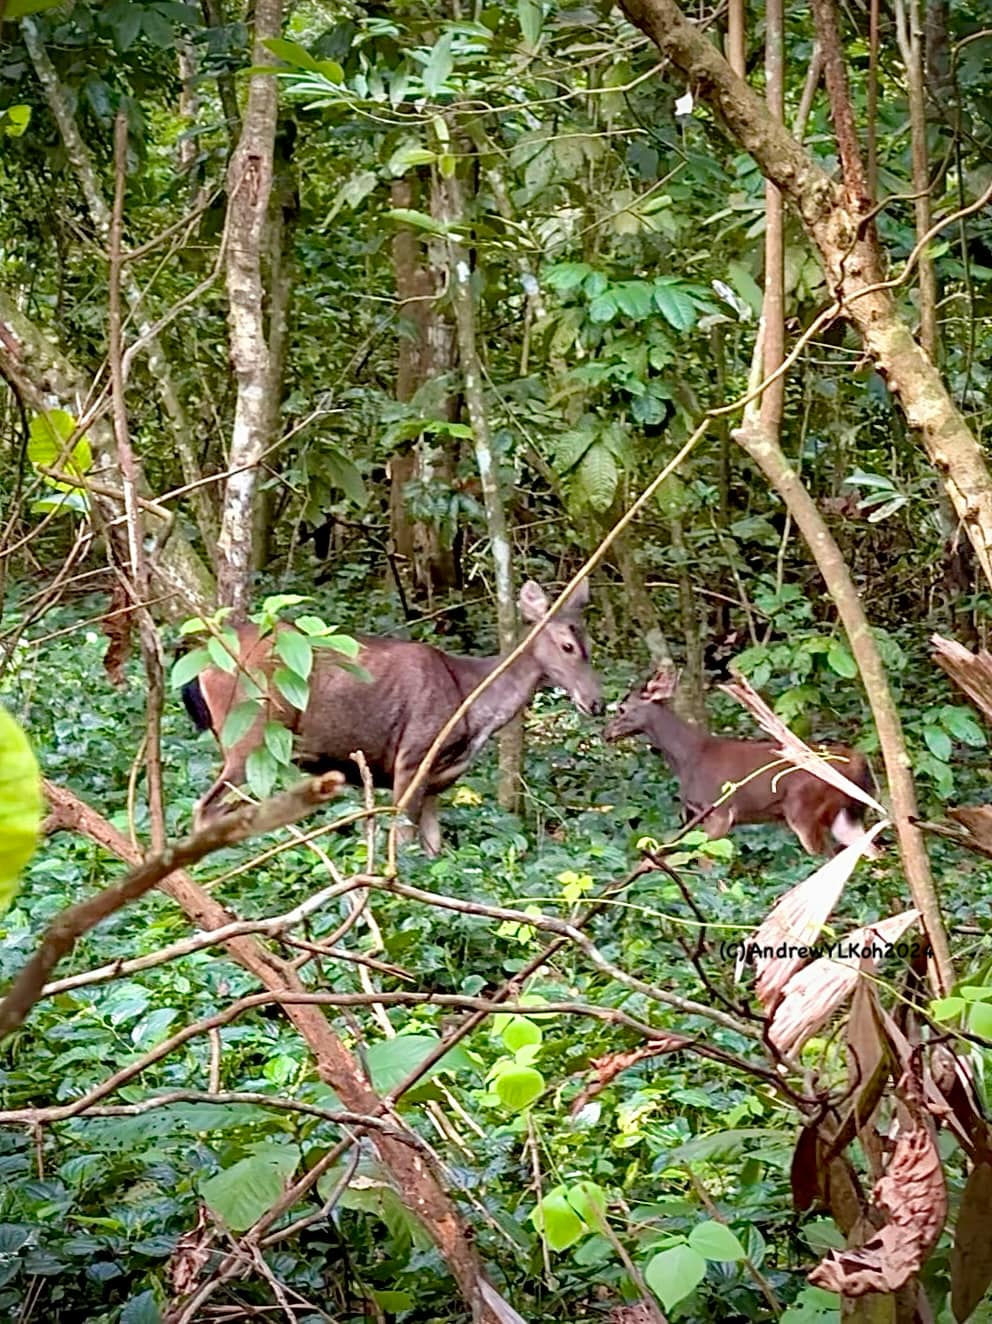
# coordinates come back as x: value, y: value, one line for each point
x: 561, y: 650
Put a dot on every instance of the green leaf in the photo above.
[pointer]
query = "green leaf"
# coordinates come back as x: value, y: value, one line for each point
x: 839, y: 659
x: 20, y: 805
x: 634, y: 298
x: 238, y: 722
x: 142, y: 1309
x: 946, y: 1009
x: 277, y: 602
x: 938, y: 742
x: 292, y: 687
x: 157, y: 29
x: 962, y: 726
x: 243, y: 1192
x: 47, y: 437
x: 596, y: 477
x: 675, y: 1273
x: 312, y: 625
x: 391, y: 1301
x: 715, y: 1241
x: 439, y: 66
x: 530, y: 14
x: 746, y: 286
x: 980, y: 1019
x: 519, y: 1031
x: 518, y: 1087
x: 390, y: 1061
x: 604, y: 307
x: 420, y: 220
x: 20, y: 8
x: 261, y: 771
x: 224, y: 651
x: 14, y: 120
x: 410, y: 155
x: 588, y: 1199
x: 557, y: 1221
x: 296, y: 651
x: 344, y: 473
x: 188, y: 667
x: 675, y: 306
x: 291, y: 52
x: 279, y: 742
x: 565, y: 276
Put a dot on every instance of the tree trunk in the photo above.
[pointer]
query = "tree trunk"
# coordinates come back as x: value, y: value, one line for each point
x: 463, y: 300
x: 249, y: 184
x: 834, y: 217
x: 425, y: 356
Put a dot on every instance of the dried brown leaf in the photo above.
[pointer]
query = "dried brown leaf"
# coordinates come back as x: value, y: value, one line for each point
x: 971, y: 1257
x: 804, y: 1173
x: 811, y: 996
x: 913, y: 1196
x: 116, y: 625
x: 606, y: 1068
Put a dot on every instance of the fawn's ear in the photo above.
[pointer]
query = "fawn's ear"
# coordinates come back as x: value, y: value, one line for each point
x: 577, y: 600
x: 662, y: 684
x: 533, y: 602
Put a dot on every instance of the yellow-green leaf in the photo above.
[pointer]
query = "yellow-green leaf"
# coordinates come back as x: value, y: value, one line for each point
x: 20, y: 805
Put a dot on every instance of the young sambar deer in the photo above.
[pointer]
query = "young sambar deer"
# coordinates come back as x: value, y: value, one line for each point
x: 769, y: 789
x: 394, y: 718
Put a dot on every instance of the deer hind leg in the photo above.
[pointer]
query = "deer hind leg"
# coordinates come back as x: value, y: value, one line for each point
x: 718, y: 822
x: 809, y: 815
x: 421, y: 812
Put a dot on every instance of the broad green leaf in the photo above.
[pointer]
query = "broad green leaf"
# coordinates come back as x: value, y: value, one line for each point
x: 20, y: 805
x: 557, y: 1221
x: 814, y: 1305
x: 589, y: 1201
x: 520, y: 1030
x: 311, y: 625
x: 675, y: 1273
x: 938, y: 742
x: 292, y: 687
x: 565, y: 276
x: 439, y: 66
x: 418, y: 219
x: 243, y: 1192
x: 604, y: 307
x: 261, y: 771
x: 715, y: 1241
x: 20, y: 8
x: 279, y: 742
x: 296, y: 651
x: 962, y: 726
x: 238, y: 722
x: 946, y: 1009
x: 14, y: 120
x: 410, y: 154
x: 675, y: 306
x: 390, y: 1061
x: 634, y: 298
x: 392, y: 1302
x: 47, y: 438
x: 980, y: 1019
x: 277, y: 602
x: 291, y: 52
x: 530, y: 14
x: 344, y: 473
x: 518, y: 1087
x: 839, y: 659
x: 188, y: 667
x: 746, y: 286
x: 341, y: 643
x: 142, y: 1309
x: 65, y: 503
x: 596, y: 477
x: 375, y: 1195
x: 224, y: 651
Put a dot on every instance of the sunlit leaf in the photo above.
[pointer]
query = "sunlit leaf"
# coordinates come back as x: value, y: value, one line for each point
x: 20, y: 805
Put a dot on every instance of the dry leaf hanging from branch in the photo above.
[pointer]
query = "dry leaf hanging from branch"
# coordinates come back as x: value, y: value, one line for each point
x: 913, y: 1196
x: 812, y: 996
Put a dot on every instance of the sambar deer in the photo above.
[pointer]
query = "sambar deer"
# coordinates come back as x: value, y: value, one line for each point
x: 769, y: 789
x: 394, y: 718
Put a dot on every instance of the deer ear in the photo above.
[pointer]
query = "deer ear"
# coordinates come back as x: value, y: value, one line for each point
x: 578, y: 600
x: 533, y: 602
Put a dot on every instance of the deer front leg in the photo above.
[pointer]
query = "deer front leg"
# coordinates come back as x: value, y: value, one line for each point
x: 421, y: 811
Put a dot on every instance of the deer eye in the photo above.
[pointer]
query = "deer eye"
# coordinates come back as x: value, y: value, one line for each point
x: 567, y: 646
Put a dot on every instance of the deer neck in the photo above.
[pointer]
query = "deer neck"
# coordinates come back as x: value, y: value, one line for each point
x: 511, y: 691
x: 679, y: 742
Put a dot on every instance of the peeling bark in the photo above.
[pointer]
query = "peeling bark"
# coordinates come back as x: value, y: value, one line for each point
x: 835, y: 221
x: 249, y: 185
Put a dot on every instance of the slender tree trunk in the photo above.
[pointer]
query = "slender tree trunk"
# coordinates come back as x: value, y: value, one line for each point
x: 910, y: 36
x: 425, y: 356
x: 158, y: 365
x: 834, y: 216
x: 463, y: 301
x: 249, y: 184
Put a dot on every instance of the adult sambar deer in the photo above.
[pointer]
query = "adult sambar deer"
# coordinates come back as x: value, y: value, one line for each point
x: 769, y: 789
x: 394, y: 718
